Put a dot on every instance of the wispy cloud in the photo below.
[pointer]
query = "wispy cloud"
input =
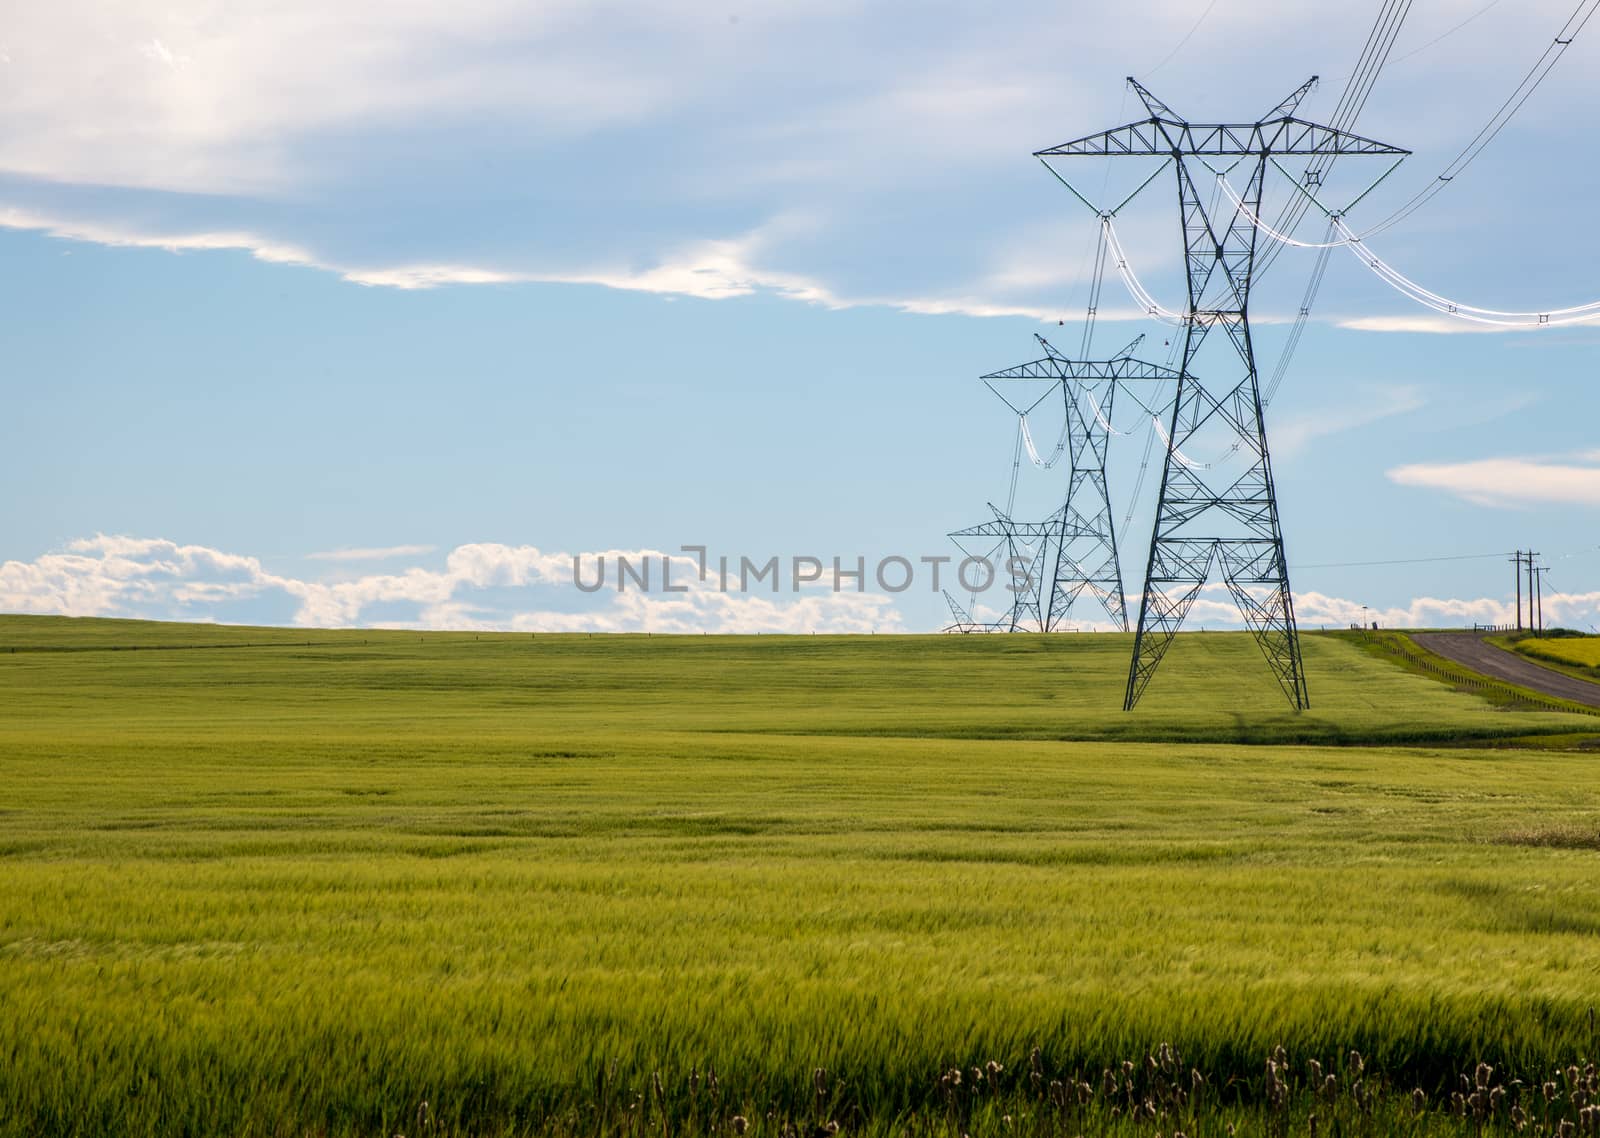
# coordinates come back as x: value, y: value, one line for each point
x: 1506, y: 481
x: 706, y: 270
x: 382, y: 553
x: 1361, y: 408
x: 1439, y: 325
x: 644, y: 137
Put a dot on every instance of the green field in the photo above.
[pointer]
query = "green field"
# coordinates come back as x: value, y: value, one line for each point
x: 278, y: 882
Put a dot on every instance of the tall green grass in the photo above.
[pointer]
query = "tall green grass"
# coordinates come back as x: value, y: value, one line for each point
x: 283, y: 889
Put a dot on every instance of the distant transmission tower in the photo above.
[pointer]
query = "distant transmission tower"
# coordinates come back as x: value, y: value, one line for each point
x: 1025, y: 542
x: 963, y: 621
x: 1082, y: 534
x: 1203, y: 517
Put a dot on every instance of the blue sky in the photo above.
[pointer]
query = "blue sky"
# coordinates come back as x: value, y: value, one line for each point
x: 379, y: 313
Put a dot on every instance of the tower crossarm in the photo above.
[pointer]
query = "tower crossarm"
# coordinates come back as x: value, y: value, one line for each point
x: 1125, y: 368
x: 1055, y: 367
x: 1047, y: 368
x: 1159, y: 137
x: 1007, y: 527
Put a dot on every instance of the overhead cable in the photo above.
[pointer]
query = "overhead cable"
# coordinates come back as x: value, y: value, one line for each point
x: 1497, y: 122
x: 1356, y: 243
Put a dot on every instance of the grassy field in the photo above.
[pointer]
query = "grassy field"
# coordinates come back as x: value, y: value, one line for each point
x: 273, y: 882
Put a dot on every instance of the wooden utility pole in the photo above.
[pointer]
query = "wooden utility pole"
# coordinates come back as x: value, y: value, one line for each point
x: 1531, y: 556
x: 1516, y: 559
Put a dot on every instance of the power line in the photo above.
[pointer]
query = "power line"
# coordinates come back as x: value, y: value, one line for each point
x: 1356, y: 243
x: 1497, y: 122
x: 1426, y: 560
x: 1380, y: 41
x: 1401, y: 561
x: 1446, y: 35
x: 1358, y: 88
x: 1184, y: 41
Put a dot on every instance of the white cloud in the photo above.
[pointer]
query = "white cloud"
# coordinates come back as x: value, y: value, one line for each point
x: 492, y: 587
x: 154, y: 578
x: 1214, y: 608
x: 1506, y: 481
x: 199, y: 97
x: 1318, y: 609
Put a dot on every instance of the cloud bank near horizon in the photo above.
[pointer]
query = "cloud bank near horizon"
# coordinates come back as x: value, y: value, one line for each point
x: 490, y: 587
x: 481, y: 587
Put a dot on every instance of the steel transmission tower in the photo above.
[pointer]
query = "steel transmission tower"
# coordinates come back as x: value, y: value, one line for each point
x: 1027, y: 542
x: 1207, y: 515
x: 963, y: 621
x: 1082, y: 534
